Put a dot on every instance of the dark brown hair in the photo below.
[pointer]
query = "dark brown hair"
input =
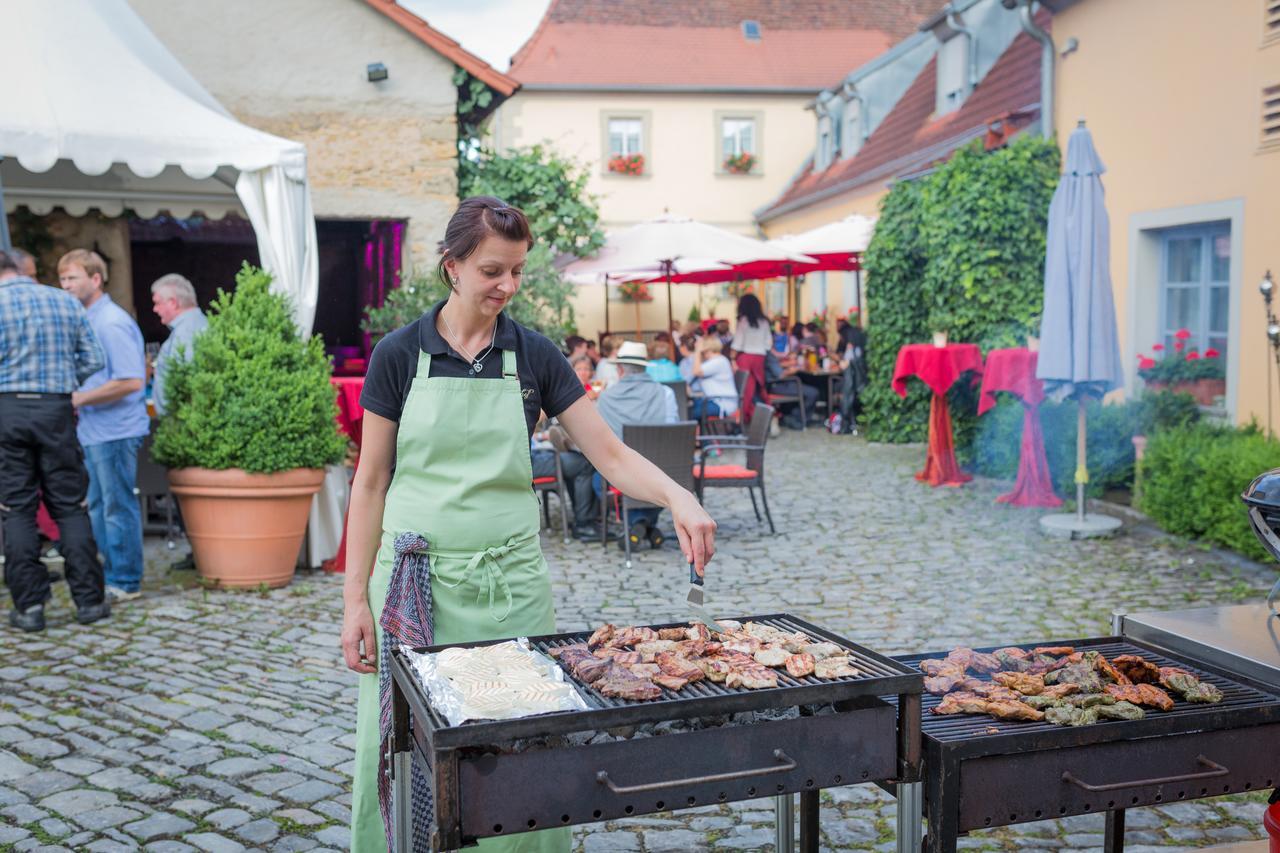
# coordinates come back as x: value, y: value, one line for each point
x: 476, y: 218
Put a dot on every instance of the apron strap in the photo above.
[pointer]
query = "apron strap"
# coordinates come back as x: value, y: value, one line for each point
x: 509, y: 364
x: 424, y: 364
x: 494, y: 579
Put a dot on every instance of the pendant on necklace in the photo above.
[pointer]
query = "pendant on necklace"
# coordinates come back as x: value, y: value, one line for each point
x: 476, y: 367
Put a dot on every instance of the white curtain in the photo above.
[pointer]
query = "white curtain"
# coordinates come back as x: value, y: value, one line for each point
x: 277, y: 201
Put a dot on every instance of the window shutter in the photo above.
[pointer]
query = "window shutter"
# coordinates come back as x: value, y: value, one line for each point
x: 1271, y: 115
x: 1271, y: 20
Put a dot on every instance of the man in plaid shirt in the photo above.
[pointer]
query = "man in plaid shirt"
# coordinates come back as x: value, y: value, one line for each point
x: 47, y: 349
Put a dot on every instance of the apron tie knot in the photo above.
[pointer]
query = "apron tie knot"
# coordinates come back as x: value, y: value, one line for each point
x: 494, y: 580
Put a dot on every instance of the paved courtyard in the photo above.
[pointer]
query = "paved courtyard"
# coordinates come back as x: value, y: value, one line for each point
x: 201, y: 720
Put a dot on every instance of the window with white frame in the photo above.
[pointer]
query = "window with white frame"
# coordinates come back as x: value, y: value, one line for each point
x: 953, y: 74
x: 851, y: 138
x: 737, y: 136
x: 826, y: 143
x: 626, y: 136
x: 1195, y: 288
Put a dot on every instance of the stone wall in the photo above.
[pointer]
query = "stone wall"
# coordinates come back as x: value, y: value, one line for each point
x: 297, y: 68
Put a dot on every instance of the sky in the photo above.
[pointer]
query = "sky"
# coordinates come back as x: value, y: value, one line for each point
x: 491, y: 29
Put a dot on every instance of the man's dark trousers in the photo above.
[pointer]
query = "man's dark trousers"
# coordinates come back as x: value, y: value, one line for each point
x: 39, y: 453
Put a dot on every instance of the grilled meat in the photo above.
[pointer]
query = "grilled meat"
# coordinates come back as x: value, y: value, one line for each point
x: 671, y: 682
x: 1141, y: 694
x: 1089, y: 700
x: 1108, y: 672
x: 1074, y: 657
x: 1066, y: 715
x: 622, y: 656
x: 933, y: 666
x: 834, y: 667
x: 1188, y: 686
x: 984, y: 663
x: 1008, y: 709
x: 715, y: 669
x: 1014, y: 659
x: 1054, y: 651
x: 752, y: 676
x: 1001, y: 709
x: 800, y: 665
x: 1139, y: 670
x: 792, y: 641
x: 1120, y: 711
x: 571, y: 652
x: 1057, y: 691
x: 645, y: 670
x: 991, y: 690
x: 961, y: 703
x: 822, y: 650
x: 1043, y: 702
x: 1024, y: 683
x: 961, y: 657
x: 649, y: 649
x: 939, y: 685
x: 771, y: 655
x: 601, y: 635
x: 1081, y: 674
x: 673, y: 633
x: 632, y: 635
x: 590, y: 668
x: 740, y: 643
x: 698, y: 631
x: 620, y: 683
x: 673, y: 664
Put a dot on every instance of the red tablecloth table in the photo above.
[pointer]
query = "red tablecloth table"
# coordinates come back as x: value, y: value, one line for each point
x: 350, y: 421
x: 1014, y: 371
x: 939, y: 368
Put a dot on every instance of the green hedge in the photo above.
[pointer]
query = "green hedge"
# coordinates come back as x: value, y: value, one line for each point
x: 997, y: 442
x: 1192, y: 479
x: 964, y: 246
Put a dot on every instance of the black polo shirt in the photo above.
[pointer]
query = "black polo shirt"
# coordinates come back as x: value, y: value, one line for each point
x: 547, y: 382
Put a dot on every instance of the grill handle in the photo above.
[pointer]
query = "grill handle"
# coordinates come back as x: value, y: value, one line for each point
x: 787, y: 763
x: 1215, y: 769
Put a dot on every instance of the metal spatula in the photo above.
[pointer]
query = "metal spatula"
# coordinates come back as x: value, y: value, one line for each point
x: 696, y: 602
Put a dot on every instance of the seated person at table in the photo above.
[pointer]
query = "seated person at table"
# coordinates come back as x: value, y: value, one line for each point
x: 636, y: 398
x: 781, y: 338
x: 577, y: 473
x: 606, y: 370
x: 585, y: 371
x: 661, y: 367
x: 715, y: 373
x: 724, y: 333
x: 574, y: 346
x: 780, y: 379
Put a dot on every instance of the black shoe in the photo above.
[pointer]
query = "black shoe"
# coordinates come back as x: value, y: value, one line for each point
x: 186, y: 564
x: 93, y: 612
x: 591, y: 533
x: 637, y: 534
x: 29, y: 620
x: 54, y: 577
x: 656, y: 538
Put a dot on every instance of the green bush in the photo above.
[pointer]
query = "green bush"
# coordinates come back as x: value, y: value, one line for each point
x: 964, y: 247
x: 996, y: 446
x: 1192, y: 478
x: 254, y: 395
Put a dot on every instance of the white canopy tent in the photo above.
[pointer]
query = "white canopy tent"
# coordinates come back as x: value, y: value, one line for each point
x: 99, y: 114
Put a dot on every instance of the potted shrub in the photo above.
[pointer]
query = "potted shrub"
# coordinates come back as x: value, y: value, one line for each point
x: 635, y: 292
x: 627, y: 164
x: 1202, y: 375
x: 250, y: 427
x: 941, y: 323
x: 740, y: 164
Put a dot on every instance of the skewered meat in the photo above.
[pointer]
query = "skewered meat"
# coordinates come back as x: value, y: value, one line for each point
x: 1105, y: 669
x: 1055, y: 651
x: 772, y: 656
x: 673, y: 633
x: 822, y: 650
x: 834, y: 667
x: 1141, y: 694
x: 800, y: 665
x: 752, y: 676
x: 1188, y: 686
x: 674, y: 665
x: 1138, y: 669
x: 670, y: 682
x: 1120, y: 711
x: 1066, y: 715
x: 601, y: 635
x: 983, y: 662
x: 1024, y: 683
x: 619, y: 682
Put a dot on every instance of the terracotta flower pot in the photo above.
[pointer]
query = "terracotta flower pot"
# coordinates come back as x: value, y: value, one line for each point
x: 245, y: 529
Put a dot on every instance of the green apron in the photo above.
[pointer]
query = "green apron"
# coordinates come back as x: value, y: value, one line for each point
x: 464, y: 482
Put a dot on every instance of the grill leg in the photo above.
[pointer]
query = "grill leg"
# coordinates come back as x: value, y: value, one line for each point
x: 809, y: 807
x: 942, y: 804
x: 400, y: 801
x: 1113, y: 834
x: 784, y: 811
x: 909, y: 833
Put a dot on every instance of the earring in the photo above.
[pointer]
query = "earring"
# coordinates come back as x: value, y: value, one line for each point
x: 455, y: 281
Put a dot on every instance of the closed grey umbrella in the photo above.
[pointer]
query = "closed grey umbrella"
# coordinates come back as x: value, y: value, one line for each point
x: 1079, y: 344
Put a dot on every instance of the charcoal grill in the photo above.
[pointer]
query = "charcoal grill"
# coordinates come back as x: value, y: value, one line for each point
x: 480, y: 793
x: 980, y: 773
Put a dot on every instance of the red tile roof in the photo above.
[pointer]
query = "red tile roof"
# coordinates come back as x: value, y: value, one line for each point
x: 805, y: 45
x: 911, y: 139
x: 501, y: 83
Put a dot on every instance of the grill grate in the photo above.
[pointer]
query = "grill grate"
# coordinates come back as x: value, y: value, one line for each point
x: 968, y: 727
x: 878, y: 676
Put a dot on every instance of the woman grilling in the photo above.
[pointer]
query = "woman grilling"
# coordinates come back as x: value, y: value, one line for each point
x: 450, y: 404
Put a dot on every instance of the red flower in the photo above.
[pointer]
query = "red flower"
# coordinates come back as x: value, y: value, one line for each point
x: 1158, y: 347
x: 1179, y: 346
x: 1182, y: 334
x: 1193, y: 356
x: 1145, y: 363
x: 1211, y: 353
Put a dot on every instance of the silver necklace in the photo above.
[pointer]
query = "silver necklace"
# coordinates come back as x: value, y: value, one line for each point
x: 477, y: 361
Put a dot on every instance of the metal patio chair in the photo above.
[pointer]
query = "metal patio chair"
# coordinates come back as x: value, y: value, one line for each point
x: 750, y: 475
x: 681, y: 391
x: 544, y: 487
x: 671, y: 448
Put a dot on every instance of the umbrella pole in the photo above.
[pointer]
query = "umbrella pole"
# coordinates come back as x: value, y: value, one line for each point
x: 606, y: 303
x: 5, y: 243
x: 670, y: 308
x: 1082, y: 460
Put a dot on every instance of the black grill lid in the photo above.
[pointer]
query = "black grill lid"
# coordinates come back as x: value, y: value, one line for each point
x: 1263, y: 499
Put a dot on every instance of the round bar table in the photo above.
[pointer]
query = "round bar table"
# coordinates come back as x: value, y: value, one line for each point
x: 939, y: 368
x: 1014, y: 371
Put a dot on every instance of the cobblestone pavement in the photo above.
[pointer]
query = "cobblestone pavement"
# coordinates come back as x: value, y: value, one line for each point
x: 201, y: 720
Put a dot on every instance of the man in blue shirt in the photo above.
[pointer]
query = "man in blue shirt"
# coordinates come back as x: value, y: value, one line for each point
x: 47, y: 349
x: 173, y: 298
x: 113, y: 423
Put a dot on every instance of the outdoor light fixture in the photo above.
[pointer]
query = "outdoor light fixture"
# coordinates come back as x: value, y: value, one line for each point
x: 1266, y: 287
x: 377, y: 71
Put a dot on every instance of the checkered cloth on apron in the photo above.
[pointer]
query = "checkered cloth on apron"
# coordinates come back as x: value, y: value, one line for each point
x: 406, y: 619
